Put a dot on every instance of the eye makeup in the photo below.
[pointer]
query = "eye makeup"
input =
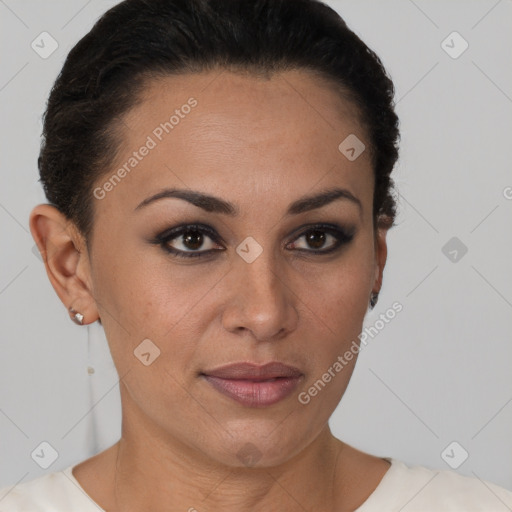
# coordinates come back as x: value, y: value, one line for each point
x: 193, y: 236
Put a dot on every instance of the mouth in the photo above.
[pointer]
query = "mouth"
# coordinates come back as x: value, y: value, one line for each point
x: 253, y: 385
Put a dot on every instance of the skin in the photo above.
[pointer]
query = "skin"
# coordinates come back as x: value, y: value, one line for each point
x: 260, y: 144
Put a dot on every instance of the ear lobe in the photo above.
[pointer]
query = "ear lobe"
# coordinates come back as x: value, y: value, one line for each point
x: 62, y: 249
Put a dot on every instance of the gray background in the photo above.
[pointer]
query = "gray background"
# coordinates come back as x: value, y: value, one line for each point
x: 438, y: 372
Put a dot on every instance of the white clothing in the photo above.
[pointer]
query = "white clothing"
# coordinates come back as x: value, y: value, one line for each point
x: 403, y: 488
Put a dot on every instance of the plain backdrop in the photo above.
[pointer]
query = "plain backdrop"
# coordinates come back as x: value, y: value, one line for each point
x: 434, y: 386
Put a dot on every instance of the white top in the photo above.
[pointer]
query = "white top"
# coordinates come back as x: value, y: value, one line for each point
x: 403, y: 488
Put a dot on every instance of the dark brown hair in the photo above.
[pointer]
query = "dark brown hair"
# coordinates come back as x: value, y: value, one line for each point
x: 136, y: 40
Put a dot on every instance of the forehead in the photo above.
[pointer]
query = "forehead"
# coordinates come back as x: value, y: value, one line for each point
x: 240, y: 137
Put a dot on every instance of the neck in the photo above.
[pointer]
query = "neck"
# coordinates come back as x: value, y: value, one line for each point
x: 157, y: 475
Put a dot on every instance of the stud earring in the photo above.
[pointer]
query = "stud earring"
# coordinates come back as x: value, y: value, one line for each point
x: 78, y: 318
x: 374, y: 297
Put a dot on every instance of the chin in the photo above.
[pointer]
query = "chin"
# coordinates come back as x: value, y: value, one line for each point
x: 258, y: 449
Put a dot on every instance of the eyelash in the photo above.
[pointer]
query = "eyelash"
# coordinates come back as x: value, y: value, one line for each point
x: 342, y: 238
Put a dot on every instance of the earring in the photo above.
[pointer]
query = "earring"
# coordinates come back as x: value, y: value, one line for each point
x: 78, y: 318
x: 374, y: 297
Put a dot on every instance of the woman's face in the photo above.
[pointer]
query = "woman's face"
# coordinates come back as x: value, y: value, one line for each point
x: 260, y: 291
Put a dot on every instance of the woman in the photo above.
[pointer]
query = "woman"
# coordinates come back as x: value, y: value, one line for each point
x: 218, y: 175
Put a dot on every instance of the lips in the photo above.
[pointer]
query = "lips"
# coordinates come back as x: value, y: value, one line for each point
x: 251, y: 371
x: 253, y: 385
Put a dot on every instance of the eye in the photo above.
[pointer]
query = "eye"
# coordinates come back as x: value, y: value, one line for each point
x: 318, y: 236
x: 187, y: 239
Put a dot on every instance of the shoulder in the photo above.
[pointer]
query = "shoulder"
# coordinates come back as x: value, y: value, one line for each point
x: 55, y: 492
x: 418, y: 488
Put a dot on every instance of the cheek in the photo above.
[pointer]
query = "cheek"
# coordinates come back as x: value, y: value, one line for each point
x: 337, y: 301
x: 151, y: 298
x: 147, y: 313
x: 339, y: 292
x: 337, y: 311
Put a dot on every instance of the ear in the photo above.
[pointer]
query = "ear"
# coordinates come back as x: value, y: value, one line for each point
x: 66, y: 259
x: 381, y: 254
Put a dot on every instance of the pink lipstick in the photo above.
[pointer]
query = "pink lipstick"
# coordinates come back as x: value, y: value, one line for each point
x: 254, y: 385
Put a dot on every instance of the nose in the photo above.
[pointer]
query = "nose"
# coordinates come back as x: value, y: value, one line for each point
x: 261, y: 300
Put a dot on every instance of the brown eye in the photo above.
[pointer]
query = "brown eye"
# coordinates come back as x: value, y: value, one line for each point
x: 193, y: 240
x: 186, y: 241
x: 316, y: 238
x: 197, y: 240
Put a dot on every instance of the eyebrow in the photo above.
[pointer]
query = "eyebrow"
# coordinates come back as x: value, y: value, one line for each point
x: 214, y: 204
